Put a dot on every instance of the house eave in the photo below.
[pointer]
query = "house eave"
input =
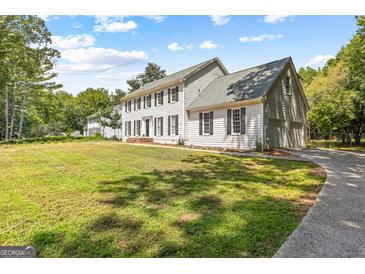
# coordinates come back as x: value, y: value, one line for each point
x: 233, y: 104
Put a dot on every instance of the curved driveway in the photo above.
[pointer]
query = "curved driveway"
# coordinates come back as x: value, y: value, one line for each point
x: 335, y: 225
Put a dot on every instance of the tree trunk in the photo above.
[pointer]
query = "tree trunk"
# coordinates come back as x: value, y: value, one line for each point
x: 21, y: 120
x: 12, y: 120
x: 358, y: 139
x: 6, y: 112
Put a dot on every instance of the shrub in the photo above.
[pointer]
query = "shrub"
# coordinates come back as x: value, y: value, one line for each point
x: 98, y: 135
x: 181, y: 141
x: 48, y: 139
x: 258, y: 145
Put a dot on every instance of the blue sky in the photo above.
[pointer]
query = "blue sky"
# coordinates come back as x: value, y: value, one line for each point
x: 106, y: 51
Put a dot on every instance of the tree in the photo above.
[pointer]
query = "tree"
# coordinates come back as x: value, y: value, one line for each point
x: 90, y: 101
x: 151, y: 73
x: 118, y: 94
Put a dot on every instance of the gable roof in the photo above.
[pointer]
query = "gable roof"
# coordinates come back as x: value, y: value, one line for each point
x: 174, y: 77
x: 242, y: 85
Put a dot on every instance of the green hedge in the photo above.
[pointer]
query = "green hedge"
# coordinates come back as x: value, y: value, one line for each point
x: 49, y: 139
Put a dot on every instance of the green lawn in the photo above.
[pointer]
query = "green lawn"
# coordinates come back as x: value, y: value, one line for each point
x: 107, y: 199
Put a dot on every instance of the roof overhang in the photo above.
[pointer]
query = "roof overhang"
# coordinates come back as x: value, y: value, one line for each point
x: 233, y: 104
x: 147, y: 91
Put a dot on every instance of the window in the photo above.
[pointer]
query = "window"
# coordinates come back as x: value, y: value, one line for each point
x: 128, y: 126
x: 173, y: 127
x: 159, y: 98
x: 137, y: 104
x: 206, y: 123
x: 287, y: 85
x: 128, y: 106
x: 236, y: 121
x: 158, y: 126
x: 173, y: 95
x: 148, y: 101
x: 137, y: 127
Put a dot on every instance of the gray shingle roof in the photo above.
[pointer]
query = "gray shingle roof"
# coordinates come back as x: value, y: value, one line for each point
x: 170, y: 78
x: 241, y: 85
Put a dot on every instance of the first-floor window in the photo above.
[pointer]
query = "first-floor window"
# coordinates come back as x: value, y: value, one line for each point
x: 128, y: 126
x: 173, y: 125
x: 159, y: 126
x: 137, y: 128
x: 236, y: 121
x: 206, y: 123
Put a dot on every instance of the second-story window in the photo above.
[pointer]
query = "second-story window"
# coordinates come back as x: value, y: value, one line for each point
x: 128, y: 106
x: 148, y: 101
x: 159, y: 98
x: 173, y: 95
x: 137, y: 104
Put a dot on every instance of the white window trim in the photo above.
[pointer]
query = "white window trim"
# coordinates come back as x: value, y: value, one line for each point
x: 232, y: 127
x: 203, y: 131
x: 173, y: 90
x: 159, y: 129
x: 129, y: 128
x: 173, y: 120
x: 148, y: 96
x: 157, y: 97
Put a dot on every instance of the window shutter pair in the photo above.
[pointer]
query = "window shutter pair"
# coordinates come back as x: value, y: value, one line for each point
x: 200, y: 123
x: 169, y: 96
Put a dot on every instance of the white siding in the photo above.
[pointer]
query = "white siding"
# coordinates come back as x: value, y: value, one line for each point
x: 156, y: 111
x: 198, y: 82
x: 254, y: 117
x: 106, y: 132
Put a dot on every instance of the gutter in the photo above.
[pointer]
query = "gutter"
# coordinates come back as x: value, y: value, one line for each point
x: 228, y: 104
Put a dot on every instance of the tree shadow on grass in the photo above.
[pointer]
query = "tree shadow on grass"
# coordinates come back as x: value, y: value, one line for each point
x: 209, y: 225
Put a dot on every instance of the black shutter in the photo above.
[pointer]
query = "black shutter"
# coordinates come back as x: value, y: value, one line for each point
x: 229, y: 116
x: 144, y: 101
x: 134, y: 128
x: 162, y: 97
x: 155, y: 125
x: 176, y: 125
x: 161, y: 126
x: 200, y: 123
x: 169, y: 95
x: 125, y: 129
x: 211, y: 122
x: 168, y: 125
x: 125, y: 105
x: 155, y: 99
x: 177, y: 93
x: 243, y: 118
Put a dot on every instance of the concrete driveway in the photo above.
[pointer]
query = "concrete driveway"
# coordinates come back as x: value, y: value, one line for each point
x: 335, y: 225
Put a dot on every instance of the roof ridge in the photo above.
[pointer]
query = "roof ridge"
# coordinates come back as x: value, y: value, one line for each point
x: 256, y: 66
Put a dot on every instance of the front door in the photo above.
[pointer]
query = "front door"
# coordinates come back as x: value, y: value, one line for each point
x: 147, y: 121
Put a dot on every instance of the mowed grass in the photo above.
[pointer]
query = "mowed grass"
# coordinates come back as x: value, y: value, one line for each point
x: 107, y: 199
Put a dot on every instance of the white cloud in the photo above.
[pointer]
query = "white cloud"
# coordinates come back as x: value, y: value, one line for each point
x: 113, y: 24
x: 260, y: 38
x: 274, y: 19
x: 103, y: 56
x: 81, y: 68
x: 220, y: 20
x: 45, y: 18
x: 120, y: 77
x: 175, y: 46
x: 319, y: 60
x: 156, y: 18
x: 208, y: 45
x: 73, y: 41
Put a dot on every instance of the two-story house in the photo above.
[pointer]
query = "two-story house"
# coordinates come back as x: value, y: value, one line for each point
x: 205, y: 105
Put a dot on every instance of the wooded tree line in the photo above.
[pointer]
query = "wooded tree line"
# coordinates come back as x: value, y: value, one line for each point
x: 336, y: 93
x: 32, y: 104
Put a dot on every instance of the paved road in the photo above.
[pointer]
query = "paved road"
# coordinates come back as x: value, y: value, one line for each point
x: 335, y: 225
